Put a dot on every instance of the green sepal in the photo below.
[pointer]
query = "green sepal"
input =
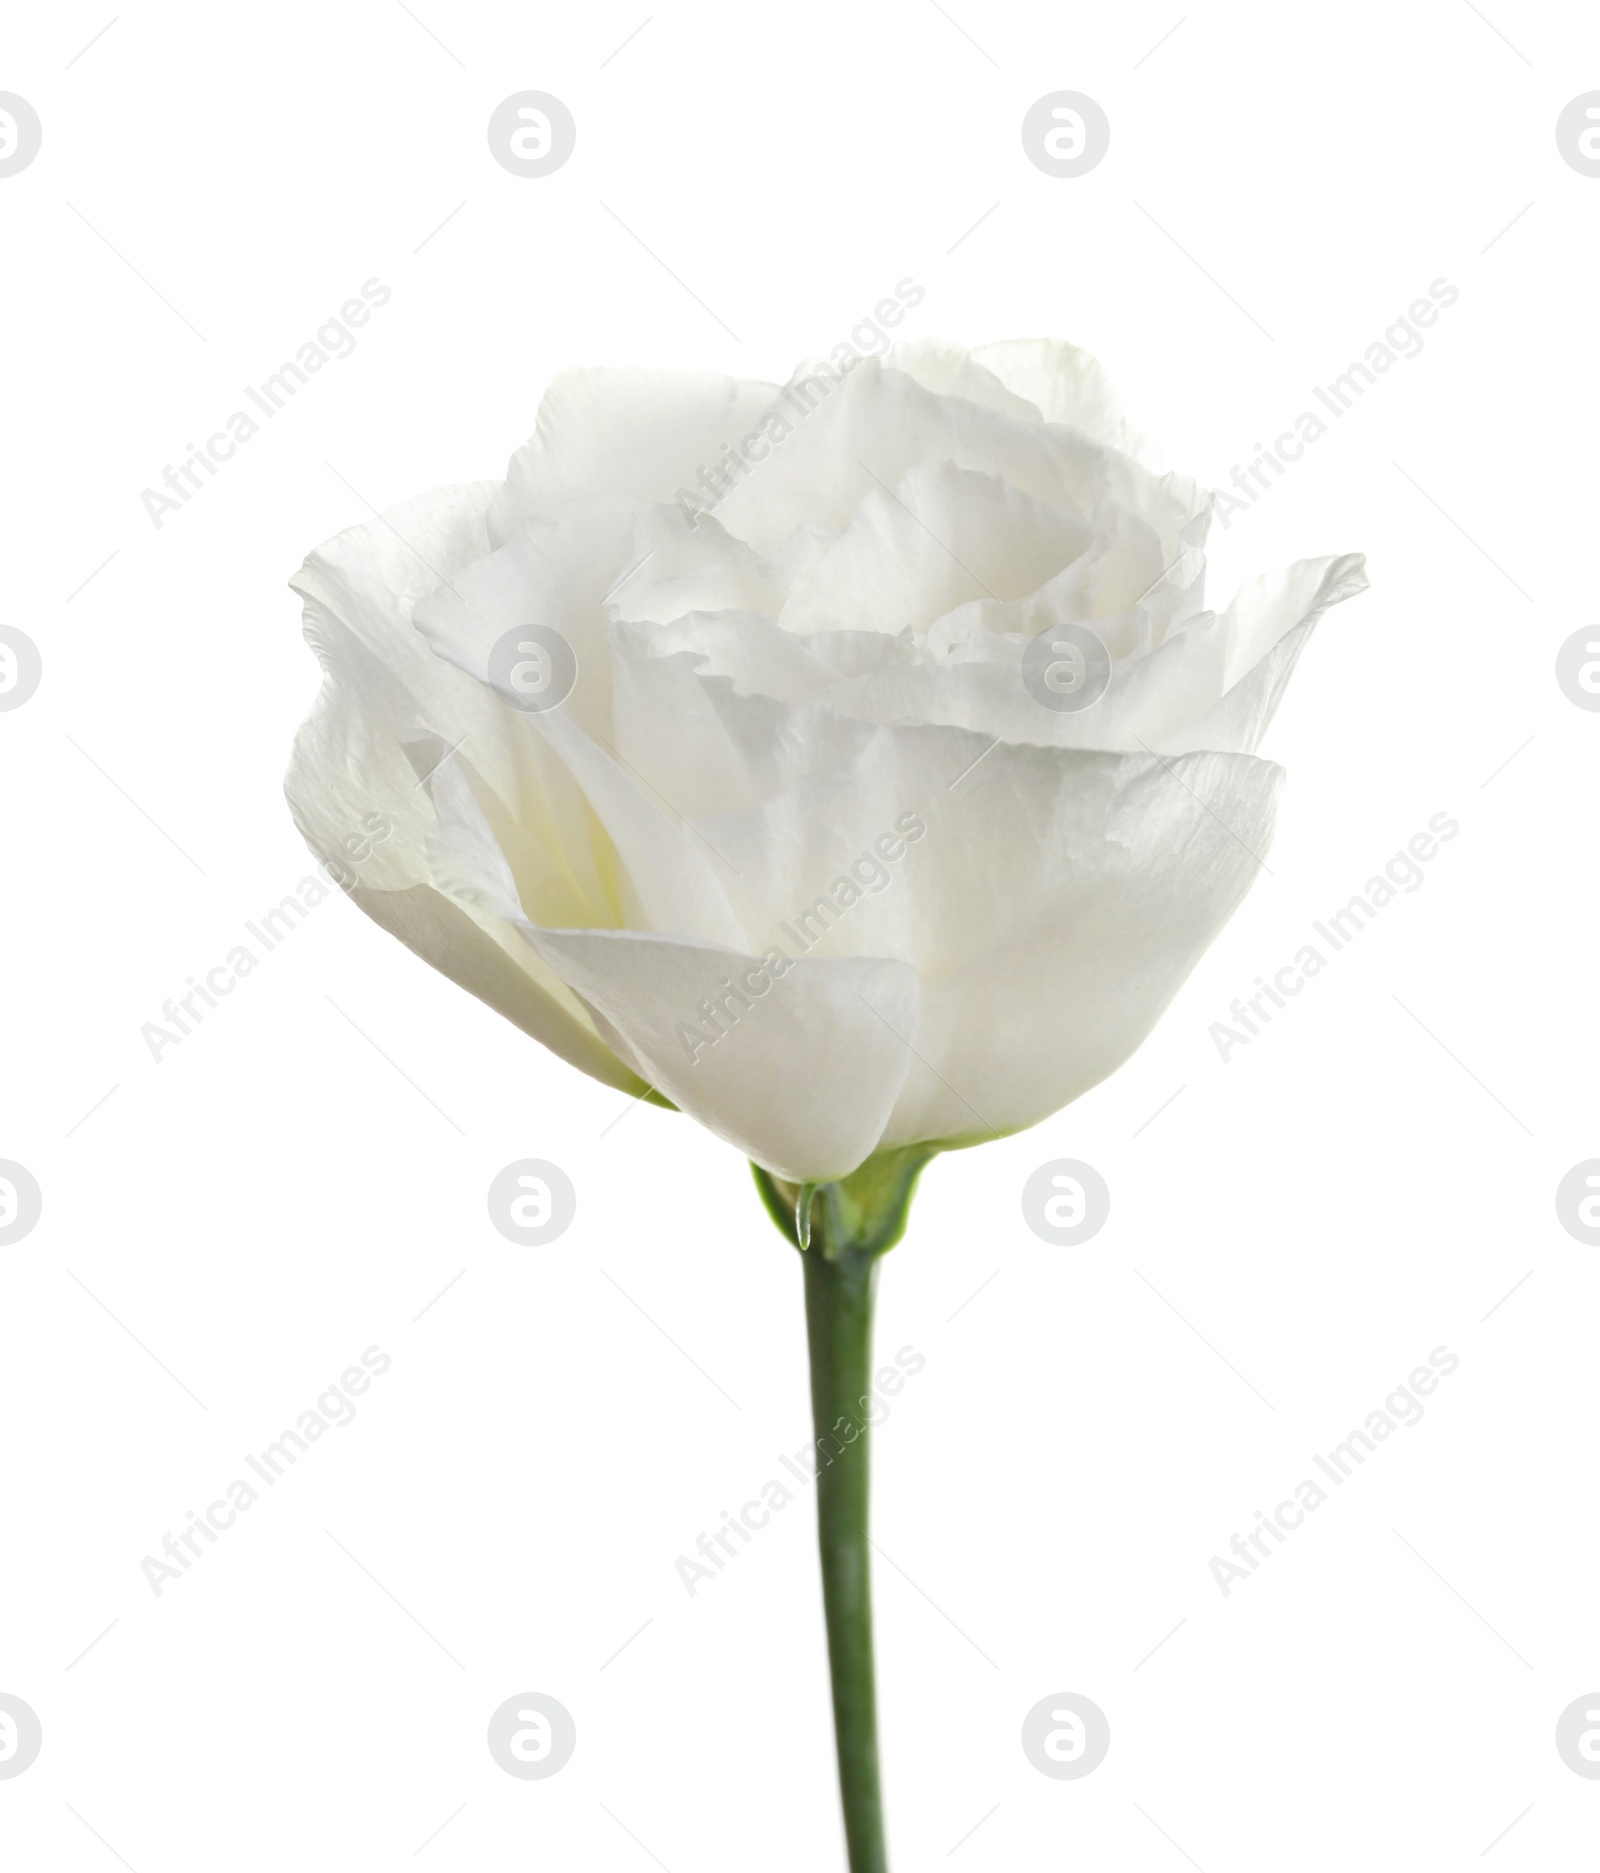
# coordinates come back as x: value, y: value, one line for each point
x: 864, y: 1213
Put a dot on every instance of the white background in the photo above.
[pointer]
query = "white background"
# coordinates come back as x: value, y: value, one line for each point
x: 1360, y: 1184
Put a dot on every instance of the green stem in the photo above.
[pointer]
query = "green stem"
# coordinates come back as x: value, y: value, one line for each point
x: 841, y: 1229
x: 839, y: 1297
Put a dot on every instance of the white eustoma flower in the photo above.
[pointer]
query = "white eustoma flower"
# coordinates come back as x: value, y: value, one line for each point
x: 808, y: 849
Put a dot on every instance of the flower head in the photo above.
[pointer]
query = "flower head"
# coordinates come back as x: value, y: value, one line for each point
x: 853, y: 762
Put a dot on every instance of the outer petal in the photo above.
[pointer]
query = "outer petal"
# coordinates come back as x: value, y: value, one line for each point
x: 799, y: 1069
x: 479, y: 958
x: 1052, y: 902
x: 803, y: 1077
x: 1151, y: 860
x: 384, y: 692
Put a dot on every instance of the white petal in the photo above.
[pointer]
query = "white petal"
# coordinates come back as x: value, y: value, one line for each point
x: 368, y: 579
x: 1052, y: 901
x: 1167, y: 695
x: 700, y: 744
x: 1262, y: 634
x: 554, y: 574
x: 685, y: 565
x: 1064, y: 384
x: 672, y: 881
x: 1277, y: 601
x: 637, y: 434
x: 803, y: 1076
x: 1121, y: 870
x: 949, y: 371
x: 383, y: 692
x: 942, y: 537
x: 872, y: 425
x: 557, y: 574
x: 501, y: 971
